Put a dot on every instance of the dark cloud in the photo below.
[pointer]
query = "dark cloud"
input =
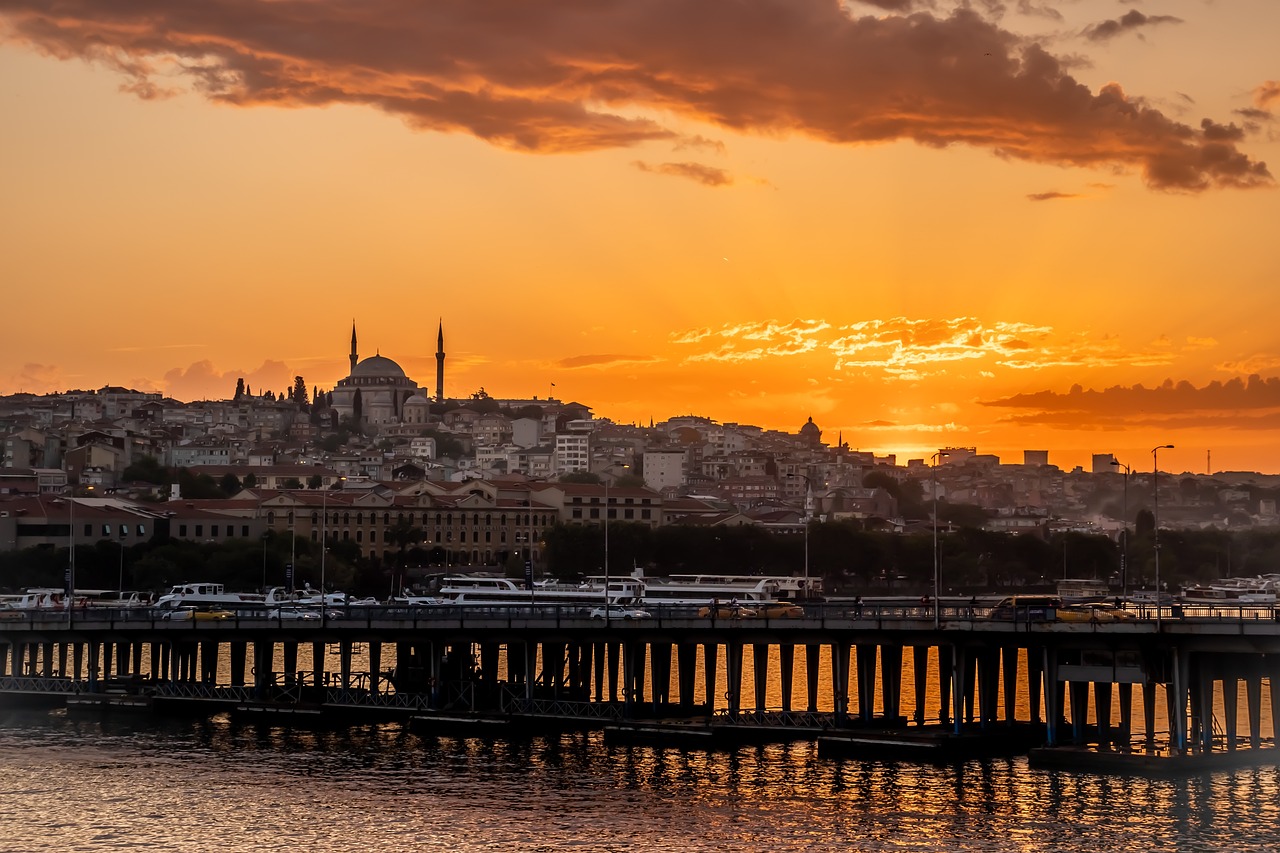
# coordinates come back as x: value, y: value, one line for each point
x: 1130, y: 21
x: 1252, y: 403
x: 706, y: 175
x: 1051, y: 195
x: 576, y: 361
x: 1266, y: 94
x: 573, y: 76
x: 202, y: 381
x: 1253, y: 114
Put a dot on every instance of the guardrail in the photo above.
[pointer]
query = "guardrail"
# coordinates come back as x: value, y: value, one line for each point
x: 867, y: 612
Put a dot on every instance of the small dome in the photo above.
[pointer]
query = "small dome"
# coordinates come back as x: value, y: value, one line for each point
x: 810, y: 428
x: 417, y: 401
x: 378, y: 366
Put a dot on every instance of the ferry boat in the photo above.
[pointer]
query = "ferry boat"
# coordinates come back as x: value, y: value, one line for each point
x: 1260, y: 590
x: 747, y: 589
x: 482, y: 590
x: 1081, y: 590
x: 207, y: 595
x: 43, y: 598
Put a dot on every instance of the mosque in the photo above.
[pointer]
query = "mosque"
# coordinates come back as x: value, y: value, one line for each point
x: 379, y: 391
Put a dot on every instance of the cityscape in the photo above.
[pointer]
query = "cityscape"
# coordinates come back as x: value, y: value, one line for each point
x: 639, y: 425
x: 142, y: 468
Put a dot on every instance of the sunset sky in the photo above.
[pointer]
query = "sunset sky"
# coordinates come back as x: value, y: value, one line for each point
x: 1010, y: 225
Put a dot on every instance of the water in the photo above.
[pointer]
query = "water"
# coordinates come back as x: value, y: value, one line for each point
x: 73, y: 782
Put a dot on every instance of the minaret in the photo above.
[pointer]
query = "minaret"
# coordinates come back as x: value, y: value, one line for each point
x: 440, y: 363
x: 354, y: 356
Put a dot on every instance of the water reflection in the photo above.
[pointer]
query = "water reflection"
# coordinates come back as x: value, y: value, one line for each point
x: 73, y: 782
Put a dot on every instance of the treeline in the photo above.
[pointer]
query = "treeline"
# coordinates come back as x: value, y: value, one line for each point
x: 849, y: 558
x: 240, y: 564
x: 852, y: 559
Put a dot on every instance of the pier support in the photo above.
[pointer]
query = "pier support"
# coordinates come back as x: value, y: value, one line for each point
x: 710, y: 652
x: 865, y: 667
x: 920, y: 678
x: 760, y: 674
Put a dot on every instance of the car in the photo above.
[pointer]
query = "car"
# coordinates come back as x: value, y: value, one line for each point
x: 620, y: 612
x: 1026, y: 608
x: 778, y: 610
x: 726, y: 611
x: 1093, y: 611
x: 186, y: 614
x: 286, y: 614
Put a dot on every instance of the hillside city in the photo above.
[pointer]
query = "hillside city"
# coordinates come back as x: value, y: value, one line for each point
x: 481, y: 479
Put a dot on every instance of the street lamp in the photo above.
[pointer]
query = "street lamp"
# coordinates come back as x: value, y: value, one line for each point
x: 807, y: 518
x: 324, y: 542
x: 606, y: 547
x: 1155, y: 517
x: 1124, y: 532
x: 937, y: 570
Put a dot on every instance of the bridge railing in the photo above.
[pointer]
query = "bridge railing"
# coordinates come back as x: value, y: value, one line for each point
x: 952, y: 610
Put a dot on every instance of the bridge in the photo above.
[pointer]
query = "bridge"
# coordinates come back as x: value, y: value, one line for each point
x: 837, y: 673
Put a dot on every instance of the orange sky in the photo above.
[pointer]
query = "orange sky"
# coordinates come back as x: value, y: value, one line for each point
x: 920, y: 226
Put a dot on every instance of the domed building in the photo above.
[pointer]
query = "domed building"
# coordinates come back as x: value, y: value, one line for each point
x: 379, y: 392
x: 810, y: 434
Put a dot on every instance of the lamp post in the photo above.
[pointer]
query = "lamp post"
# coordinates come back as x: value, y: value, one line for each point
x: 1155, y: 517
x: 806, y: 518
x: 324, y: 543
x: 1124, y: 532
x: 937, y: 566
x: 606, y: 547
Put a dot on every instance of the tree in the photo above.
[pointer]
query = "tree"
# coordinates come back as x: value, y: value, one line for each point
x: 146, y: 470
x: 315, y: 481
x: 584, y: 477
x: 229, y: 484
x: 357, y: 407
x: 239, y: 390
x: 291, y: 483
x: 300, y: 392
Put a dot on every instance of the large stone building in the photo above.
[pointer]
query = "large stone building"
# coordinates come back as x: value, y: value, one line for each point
x: 380, y: 393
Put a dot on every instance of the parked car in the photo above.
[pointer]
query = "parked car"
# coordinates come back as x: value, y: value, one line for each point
x: 621, y: 613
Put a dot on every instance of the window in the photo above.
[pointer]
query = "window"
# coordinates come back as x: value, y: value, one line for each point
x: 182, y: 530
x: 373, y: 535
x: 213, y: 530
x: 199, y: 529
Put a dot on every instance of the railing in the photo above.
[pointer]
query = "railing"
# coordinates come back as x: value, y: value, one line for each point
x: 871, y: 612
x: 514, y: 703
x: 775, y: 719
x: 29, y: 684
x: 196, y: 690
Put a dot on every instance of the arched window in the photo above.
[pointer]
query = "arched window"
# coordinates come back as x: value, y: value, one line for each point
x: 346, y: 518
x: 359, y: 518
x: 271, y: 518
x: 290, y: 516
x: 315, y: 518
x: 386, y: 518
x: 488, y: 520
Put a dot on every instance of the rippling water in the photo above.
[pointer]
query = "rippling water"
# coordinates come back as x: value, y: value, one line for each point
x: 72, y: 783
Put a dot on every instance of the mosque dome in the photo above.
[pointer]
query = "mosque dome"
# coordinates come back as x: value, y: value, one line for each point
x: 416, y: 400
x: 378, y: 366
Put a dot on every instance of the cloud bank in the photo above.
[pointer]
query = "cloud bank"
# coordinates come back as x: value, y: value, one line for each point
x: 568, y: 76
x: 1250, y: 403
